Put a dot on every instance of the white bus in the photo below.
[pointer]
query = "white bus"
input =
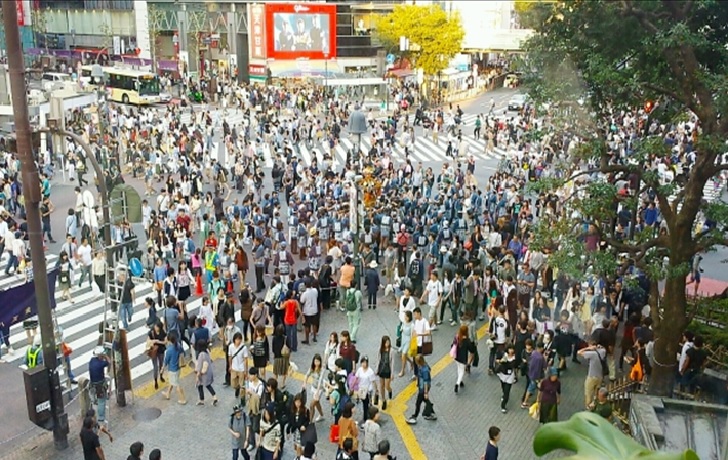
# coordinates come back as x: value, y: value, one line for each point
x: 126, y: 85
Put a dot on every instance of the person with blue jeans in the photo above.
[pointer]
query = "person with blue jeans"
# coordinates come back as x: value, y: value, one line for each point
x: 127, y: 299
x: 97, y: 378
x: 424, y: 383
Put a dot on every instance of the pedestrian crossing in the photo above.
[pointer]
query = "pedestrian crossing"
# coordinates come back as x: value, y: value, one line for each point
x: 80, y: 324
x: 425, y: 147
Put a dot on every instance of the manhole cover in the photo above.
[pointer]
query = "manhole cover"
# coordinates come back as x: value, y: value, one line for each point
x: 147, y: 415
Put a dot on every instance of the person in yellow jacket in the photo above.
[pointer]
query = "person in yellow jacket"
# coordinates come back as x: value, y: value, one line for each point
x: 34, y: 354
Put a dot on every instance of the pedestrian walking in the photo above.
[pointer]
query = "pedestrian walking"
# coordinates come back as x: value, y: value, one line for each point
x: 385, y: 366
x: 424, y: 384
x: 462, y: 351
x: 172, y: 357
x: 491, y: 449
x: 204, y: 373
x: 155, y: 349
x: 239, y: 427
x: 549, y: 397
x: 506, y: 372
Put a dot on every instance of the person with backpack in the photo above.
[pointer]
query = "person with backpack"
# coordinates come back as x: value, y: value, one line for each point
x: 339, y: 395
x: 596, y: 357
x: 353, y: 304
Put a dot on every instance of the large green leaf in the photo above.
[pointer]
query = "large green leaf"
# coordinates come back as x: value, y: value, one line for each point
x: 592, y: 437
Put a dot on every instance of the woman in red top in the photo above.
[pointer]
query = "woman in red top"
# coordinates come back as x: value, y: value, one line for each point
x: 291, y: 313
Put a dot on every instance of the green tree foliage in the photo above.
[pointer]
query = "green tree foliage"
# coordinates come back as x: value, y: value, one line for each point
x: 435, y: 36
x: 622, y: 54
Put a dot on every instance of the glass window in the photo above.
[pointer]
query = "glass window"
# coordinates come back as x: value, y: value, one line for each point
x: 149, y: 86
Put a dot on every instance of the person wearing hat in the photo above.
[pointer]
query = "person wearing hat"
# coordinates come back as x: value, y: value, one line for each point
x: 283, y: 259
x: 372, y: 284
x: 239, y: 428
x: 549, y: 397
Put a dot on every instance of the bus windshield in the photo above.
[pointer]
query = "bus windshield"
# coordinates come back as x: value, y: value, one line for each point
x: 149, y: 86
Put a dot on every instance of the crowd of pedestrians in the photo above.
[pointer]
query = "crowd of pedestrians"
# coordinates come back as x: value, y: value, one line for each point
x: 437, y: 245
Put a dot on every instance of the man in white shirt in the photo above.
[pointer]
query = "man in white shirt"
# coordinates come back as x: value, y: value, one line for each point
x: 421, y: 330
x: 238, y: 362
x: 433, y: 294
x: 85, y: 256
x: 406, y: 303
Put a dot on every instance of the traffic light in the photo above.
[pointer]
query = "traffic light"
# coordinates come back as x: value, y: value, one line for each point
x: 649, y: 105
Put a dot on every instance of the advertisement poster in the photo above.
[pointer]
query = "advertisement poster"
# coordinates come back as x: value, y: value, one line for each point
x: 301, y: 30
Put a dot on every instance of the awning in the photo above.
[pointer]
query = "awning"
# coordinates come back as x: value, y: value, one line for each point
x: 400, y: 73
x: 168, y: 65
x: 305, y: 68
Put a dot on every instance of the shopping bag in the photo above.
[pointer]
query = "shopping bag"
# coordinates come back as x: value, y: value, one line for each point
x: 334, y: 434
x: 534, y: 410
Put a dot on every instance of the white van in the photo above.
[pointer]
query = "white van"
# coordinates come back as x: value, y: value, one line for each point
x: 49, y: 79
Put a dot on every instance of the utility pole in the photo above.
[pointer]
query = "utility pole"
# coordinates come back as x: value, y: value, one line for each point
x: 31, y: 192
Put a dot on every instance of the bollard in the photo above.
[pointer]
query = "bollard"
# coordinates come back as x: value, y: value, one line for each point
x: 84, y: 396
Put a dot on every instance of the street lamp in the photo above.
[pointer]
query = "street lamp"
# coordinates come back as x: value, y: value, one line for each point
x: 357, y: 127
x: 326, y: 82
x: 32, y: 195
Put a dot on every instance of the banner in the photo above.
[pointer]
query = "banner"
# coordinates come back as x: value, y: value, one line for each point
x: 19, y: 303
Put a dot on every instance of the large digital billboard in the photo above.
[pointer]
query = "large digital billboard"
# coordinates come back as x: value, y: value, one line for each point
x: 296, y: 30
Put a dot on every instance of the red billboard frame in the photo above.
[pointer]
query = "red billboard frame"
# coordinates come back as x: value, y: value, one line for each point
x: 272, y: 9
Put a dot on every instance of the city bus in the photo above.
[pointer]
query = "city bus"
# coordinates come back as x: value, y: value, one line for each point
x: 126, y: 85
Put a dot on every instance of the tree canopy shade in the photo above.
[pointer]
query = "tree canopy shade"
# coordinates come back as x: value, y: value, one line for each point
x: 435, y: 36
x: 670, y: 58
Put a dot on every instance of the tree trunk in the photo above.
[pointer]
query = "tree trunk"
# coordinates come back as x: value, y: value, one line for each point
x: 667, y: 336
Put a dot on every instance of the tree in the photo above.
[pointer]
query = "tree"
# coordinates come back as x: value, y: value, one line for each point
x: 592, y: 436
x: 531, y: 13
x: 196, y: 25
x: 435, y: 37
x: 156, y: 17
x: 39, y: 25
x: 622, y: 55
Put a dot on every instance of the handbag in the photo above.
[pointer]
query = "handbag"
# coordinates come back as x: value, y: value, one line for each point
x: 285, y: 351
x: 426, y: 346
x: 334, y: 434
x: 66, y: 349
x: 310, y: 435
x: 454, y: 348
x: 205, y: 367
x: 413, y: 347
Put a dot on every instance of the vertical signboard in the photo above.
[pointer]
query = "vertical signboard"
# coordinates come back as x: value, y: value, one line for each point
x: 21, y: 12
x: 256, y: 37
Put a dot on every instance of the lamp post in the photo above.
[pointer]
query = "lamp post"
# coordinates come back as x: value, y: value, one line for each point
x: 326, y: 82
x: 97, y: 73
x: 119, y: 372
x: 32, y: 195
x: 357, y: 127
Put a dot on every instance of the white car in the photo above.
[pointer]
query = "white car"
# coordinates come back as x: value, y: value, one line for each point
x: 165, y: 97
x: 517, y: 102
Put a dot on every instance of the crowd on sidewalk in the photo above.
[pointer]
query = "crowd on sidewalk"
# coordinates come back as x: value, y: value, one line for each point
x: 445, y: 249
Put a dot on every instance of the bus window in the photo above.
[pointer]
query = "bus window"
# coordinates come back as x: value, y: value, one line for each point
x: 148, y: 86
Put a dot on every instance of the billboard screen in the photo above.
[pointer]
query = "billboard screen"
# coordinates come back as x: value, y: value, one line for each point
x: 296, y: 30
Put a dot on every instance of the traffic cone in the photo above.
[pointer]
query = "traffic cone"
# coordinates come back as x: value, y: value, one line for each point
x: 198, y: 285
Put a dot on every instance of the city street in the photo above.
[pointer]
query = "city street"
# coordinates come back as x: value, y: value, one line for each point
x: 464, y: 417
